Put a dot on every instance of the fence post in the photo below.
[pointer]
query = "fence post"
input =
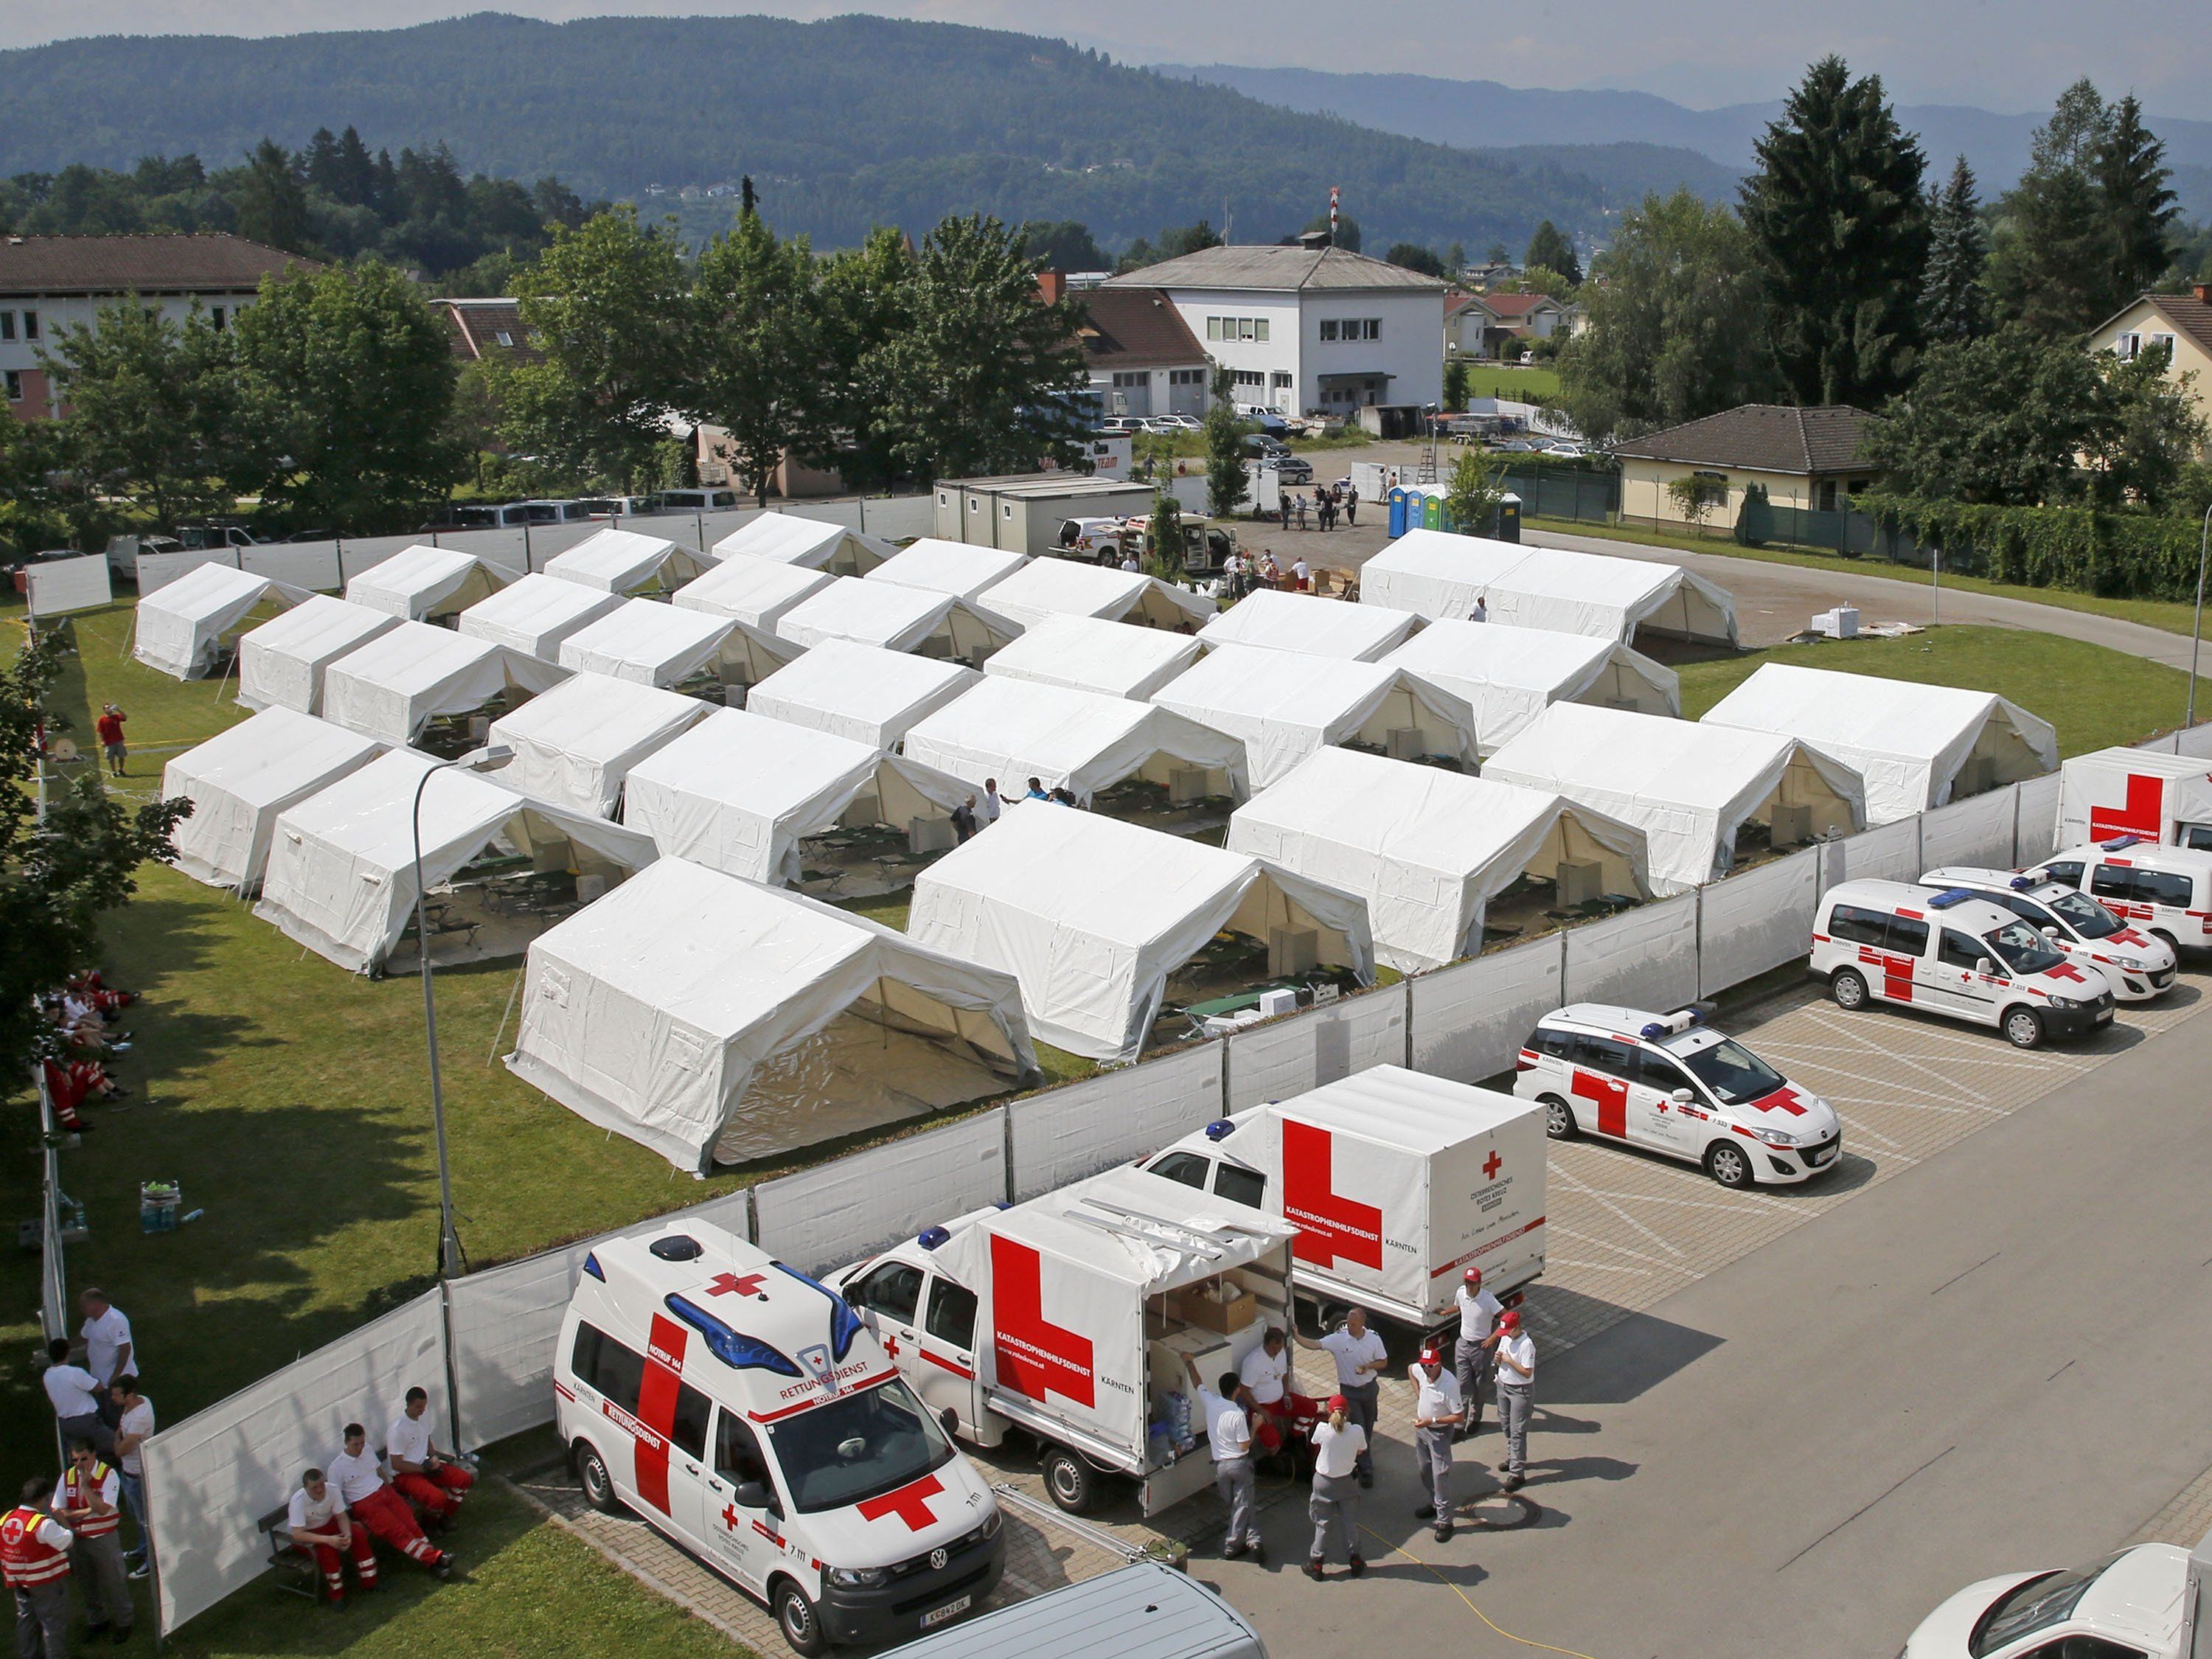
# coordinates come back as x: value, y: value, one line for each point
x: 1698, y: 952
x: 1006, y: 1134
x: 337, y: 558
x: 752, y: 1215
x: 527, y: 566
x: 2015, y: 826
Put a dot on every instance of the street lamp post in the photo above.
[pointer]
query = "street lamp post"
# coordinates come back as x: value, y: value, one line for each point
x: 2196, y: 628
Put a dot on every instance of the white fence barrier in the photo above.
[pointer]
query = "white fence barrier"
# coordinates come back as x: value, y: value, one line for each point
x: 1646, y: 958
x: 1066, y: 1134
x: 1758, y: 920
x: 1470, y: 1020
x: 827, y: 1217
x: 1889, y: 852
x: 61, y: 586
x: 1289, y: 1056
x: 2037, y: 838
x: 1976, y: 831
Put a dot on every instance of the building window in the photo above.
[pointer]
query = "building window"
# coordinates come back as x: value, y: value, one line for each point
x: 504, y: 338
x: 1214, y: 328
x: 1374, y: 328
x: 2165, y: 341
x: 7, y: 325
x: 1186, y: 377
x: 2126, y: 346
x: 1711, y: 488
x: 1250, y: 377
x: 1328, y: 328
x: 1123, y: 381
x: 1283, y: 379
x: 30, y: 325
x: 15, y: 385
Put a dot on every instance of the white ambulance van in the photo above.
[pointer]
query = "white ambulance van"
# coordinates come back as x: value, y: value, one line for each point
x: 1952, y: 953
x: 2148, y: 1601
x: 1071, y: 1316
x: 742, y: 1409
x: 1397, y: 1183
x: 2134, y: 964
x: 2164, y: 890
x: 2163, y: 799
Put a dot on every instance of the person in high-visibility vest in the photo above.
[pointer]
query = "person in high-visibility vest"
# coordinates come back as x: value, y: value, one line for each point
x: 34, y: 1560
x: 90, y: 1504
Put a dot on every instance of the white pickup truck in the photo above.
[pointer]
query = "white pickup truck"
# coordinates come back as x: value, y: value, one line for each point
x: 2146, y: 1602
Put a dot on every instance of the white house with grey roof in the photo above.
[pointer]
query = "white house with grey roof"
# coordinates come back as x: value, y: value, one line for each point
x: 1308, y: 330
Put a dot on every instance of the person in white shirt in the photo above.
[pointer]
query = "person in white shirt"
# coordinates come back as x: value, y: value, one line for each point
x: 1517, y: 1373
x: 1301, y: 575
x: 1471, y: 1360
x: 422, y: 1473
x: 134, y: 1428
x: 378, y: 1510
x: 1360, y: 1357
x: 992, y: 804
x: 75, y: 1393
x: 1481, y: 611
x: 1266, y: 1373
x: 1437, y: 1409
x: 317, y: 1523
x: 1333, y: 1506
x: 1229, y: 1437
x: 109, y: 1354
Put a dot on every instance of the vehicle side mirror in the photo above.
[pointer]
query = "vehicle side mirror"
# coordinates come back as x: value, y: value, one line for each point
x: 950, y: 1421
x: 1682, y: 1097
x: 1985, y: 968
x: 752, y: 1495
x: 2051, y: 932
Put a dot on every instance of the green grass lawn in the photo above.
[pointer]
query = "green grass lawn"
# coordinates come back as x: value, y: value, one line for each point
x: 1517, y: 386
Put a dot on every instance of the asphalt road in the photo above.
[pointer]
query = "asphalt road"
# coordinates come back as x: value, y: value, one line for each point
x: 1995, y: 1360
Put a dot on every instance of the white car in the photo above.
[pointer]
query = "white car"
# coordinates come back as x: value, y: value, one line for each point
x: 1674, y: 1085
x: 2164, y: 890
x: 2138, y: 1604
x: 2138, y: 965
x: 1175, y: 423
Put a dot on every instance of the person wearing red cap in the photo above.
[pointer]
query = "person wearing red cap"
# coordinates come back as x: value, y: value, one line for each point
x: 1516, y: 1375
x: 1437, y: 1414
x: 1333, y: 1505
x: 1471, y: 1360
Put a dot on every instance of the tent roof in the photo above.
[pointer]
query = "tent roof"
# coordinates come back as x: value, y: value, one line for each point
x: 943, y: 566
x: 1301, y: 622
x: 1087, y: 654
x: 179, y: 626
x: 1046, y: 587
x: 1843, y: 712
x: 416, y: 580
x: 536, y: 614
x: 1011, y: 729
x: 574, y: 743
x: 280, y: 662
x: 207, y: 591
x: 753, y: 590
x: 369, y: 813
x: 1508, y: 674
x: 788, y: 539
x: 413, y: 658
x: 618, y: 560
x: 1645, y: 755
x: 743, y: 759
x: 645, y: 640
x: 859, y: 692
x: 269, y: 758
x: 878, y: 613
x: 1439, y: 574
x: 389, y: 686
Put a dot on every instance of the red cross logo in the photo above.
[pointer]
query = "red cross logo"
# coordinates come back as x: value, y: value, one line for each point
x: 890, y: 1346
x: 2141, y: 816
x: 1034, y: 1355
x: 1782, y: 1100
x: 1611, y: 1095
x: 730, y: 1516
x: 1491, y: 1166
x: 730, y: 1284
x: 910, y: 1503
x: 2066, y: 970
x: 1329, y: 1226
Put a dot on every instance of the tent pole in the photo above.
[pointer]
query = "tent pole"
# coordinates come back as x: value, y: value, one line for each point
x: 500, y: 1031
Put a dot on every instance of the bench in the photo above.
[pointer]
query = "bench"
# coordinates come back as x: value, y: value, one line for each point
x: 295, y: 1570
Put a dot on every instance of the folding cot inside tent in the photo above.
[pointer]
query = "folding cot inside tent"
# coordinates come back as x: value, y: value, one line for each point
x: 1428, y: 849
x: 861, y: 692
x: 1085, y: 654
x: 651, y: 643
x: 1092, y: 915
x: 341, y: 874
x: 1916, y: 746
x: 239, y: 780
x: 575, y: 744
x: 396, y: 683
x: 711, y: 1018
x: 1284, y: 705
x: 789, y: 539
x: 1065, y: 587
x: 1319, y: 627
x: 757, y: 592
x: 1687, y: 785
x: 739, y: 792
x: 180, y: 628
x: 537, y: 614
x: 1440, y: 575
x: 281, y: 664
x: 1084, y: 741
x: 941, y: 567
x: 624, y: 561
x: 1509, y: 676
x: 424, y: 584
x: 897, y: 619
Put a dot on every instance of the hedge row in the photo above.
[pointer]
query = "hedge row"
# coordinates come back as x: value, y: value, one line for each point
x: 2119, y: 555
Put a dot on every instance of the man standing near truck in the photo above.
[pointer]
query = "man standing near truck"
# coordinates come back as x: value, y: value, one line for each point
x: 1436, y: 1415
x: 1229, y: 1437
x: 1360, y: 1357
x: 1471, y: 1360
x: 1516, y: 1376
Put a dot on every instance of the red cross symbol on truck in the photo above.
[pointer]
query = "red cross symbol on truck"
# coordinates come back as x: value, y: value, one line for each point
x: 1491, y: 1166
x: 730, y: 1516
x: 910, y: 1503
x: 2142, y: 815
x: 730, y: 1284
x: 1329, y: 1224
x: 2066, y: 970
x: 1034, y: 1355
x: 890, y: 1346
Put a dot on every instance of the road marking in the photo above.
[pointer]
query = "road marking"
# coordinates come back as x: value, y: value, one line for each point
x: 1956, y: 1277
x: 1860, y: 1510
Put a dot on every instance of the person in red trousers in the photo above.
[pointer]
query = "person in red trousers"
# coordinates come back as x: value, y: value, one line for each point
x: 419, y: 1470
x: 320, y: 1531
x: 372, y: 1505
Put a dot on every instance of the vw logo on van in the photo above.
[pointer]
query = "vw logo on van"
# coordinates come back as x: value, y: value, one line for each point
x: 937, y: 1557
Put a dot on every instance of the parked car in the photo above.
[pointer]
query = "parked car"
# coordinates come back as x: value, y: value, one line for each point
x: 2141, y: 1603
x: 479, y: 515
x: 1260, y: 444
x: 556, y: 512
x: 1290, y: 469
x: 1120, y: 426
x: 699, y: 501
x: 1175, y: 423
x: 1266, y: 419
x: 622, y: 506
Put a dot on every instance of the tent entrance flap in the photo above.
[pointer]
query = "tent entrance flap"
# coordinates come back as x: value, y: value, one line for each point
x: 1272, y: 905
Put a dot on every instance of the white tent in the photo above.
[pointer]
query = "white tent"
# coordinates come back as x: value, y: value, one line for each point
x: 341, y: 871
x: 859, y: 692
x: 624, y: 561
x: 655, y: 644
x: 1302, y: 622
x: 1086, y: 655
x: 574, y: 745
x: 754, y: 590
x: 1092, y: 915
x: 705, y: 1017
x: 1440, y: 575
x: 1915, y: 746
x: 423, y: 583
x: 739, y: 792
x: 897, y: 618
x: 535, y: 615
x: 789, y: 539
x: 1509, y: 675
x: 1284, y: 705
x: 1688, y: 786
x: 181, y: 626
x: 1064, y: 587
x: 1014, y: 730
x: 1427, y: 849
x: 393, y: 687
x: 239, y: 780
x: 281, y: 664
x: 956, y: 568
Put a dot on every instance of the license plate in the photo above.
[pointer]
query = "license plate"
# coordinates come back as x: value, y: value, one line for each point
x: 931, y: 1620
x: 2103, y: 1015
x: 1823, y: 1155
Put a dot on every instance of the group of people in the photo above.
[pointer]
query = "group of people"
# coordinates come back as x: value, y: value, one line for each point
x: 1330, y: 502
x: 82, y: 1033
x: 341, y: 1512
x: 1245, y: 574
x: 977, y: 812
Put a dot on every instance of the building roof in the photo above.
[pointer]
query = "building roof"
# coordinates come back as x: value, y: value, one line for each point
x: 1279, y: 270
x: 2189, y: 313
x: 1763, y: 438
x: 1513, y: 307
x: 209, y: 260
x: 1459, y: 301
x: 478, y: 325
x: 1135, y: 328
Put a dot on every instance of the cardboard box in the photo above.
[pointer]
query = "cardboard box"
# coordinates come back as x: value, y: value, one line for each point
x: 1206, y: 1308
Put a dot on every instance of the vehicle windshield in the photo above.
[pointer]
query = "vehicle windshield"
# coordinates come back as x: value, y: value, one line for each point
x: 1732, y: 1072
x: 2022, y: 949
x: 857, y: 1448
x: 2084, y: 914
x: 2035, y: 1606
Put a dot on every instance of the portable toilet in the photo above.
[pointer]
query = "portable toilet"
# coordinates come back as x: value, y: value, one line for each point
x: 1432, y: 513
x: 1398, y: 526
x: 1509, y: 517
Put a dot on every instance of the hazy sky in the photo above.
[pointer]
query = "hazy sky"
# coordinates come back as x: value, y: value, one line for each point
x: 2007, y: 55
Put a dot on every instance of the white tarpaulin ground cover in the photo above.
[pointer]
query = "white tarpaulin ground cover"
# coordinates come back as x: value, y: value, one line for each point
x: 393, y: 687
x: 423, y: 583
x: 1510, y: 675
x: 535, y: 614
x: 942, y: 566
x: 575, y: 744
x: 1441, y: 576
x: 693, y: 1011
x: 895, y: 618
x: 1064, y: 587
x: 1084, y: 653
x: 755, y: 591
x: 789, y: 539
x: 1302, y: 622
x: 1282, y: 706
x: 281, y: 664
x: 180, y: 629
x: 241, y: 780
x: 859, y: 692
x: 1427, y: 849
x: 1688, y: 786
x: 625, y: 562
x: 1092, y: 915
x: 1914, y: 745
x: 649, y: 643
x: 1015, y: 730
x: 739, y: 791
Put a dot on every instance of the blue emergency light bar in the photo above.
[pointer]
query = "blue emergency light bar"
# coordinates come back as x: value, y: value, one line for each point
x: 2120, y: 843
x: 931, y: 1237
x: 1951, y: 896
x: 2024, y: 883
x: 1221, y: 1129
x: 1652, y: 1032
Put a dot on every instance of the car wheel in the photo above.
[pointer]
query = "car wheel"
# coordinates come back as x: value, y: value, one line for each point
x: 2171, y: 943
x: 1071, y: 1481
x: 1848, y: 988
x: 1558, y: 1118
x: 598, y: 1485
x: 2023, y: 1028
x: 800, y: 1625
x: 1729, y: 1164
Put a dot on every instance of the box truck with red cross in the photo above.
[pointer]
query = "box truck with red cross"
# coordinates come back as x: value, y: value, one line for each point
x: 2160, y: 798
x: 1397, y: 1183
x: 744, y: 1410
x: 1076, y: 1317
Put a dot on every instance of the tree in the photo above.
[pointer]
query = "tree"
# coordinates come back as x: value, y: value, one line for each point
x: 1227, y: 484
x: 1190, y: 239
x: 1998, y: 420
x: 271, y: 206
x: 1550, y: 249
x: 1064, y: 245
x: 1477, y: 486
x: 1164, y: 538
x: 1347, y: 230
x: 1456, y: 378
x: 2145, y: 434
x: 1411, y: 256
x: 1953, y: 304
x: 753, y: 363
x: 2139, y: 210
x: 866, y: 299
x: 1693, y: 498
x: 1839, y: 232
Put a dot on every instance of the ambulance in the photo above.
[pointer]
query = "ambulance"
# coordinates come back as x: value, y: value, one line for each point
x: 2163, y: 799
x: 1673, y: 1084
x: 2165, y: 891
x: 1072, y: 1317
x: 1397, y: 1182
x: 1954, y: 953
x: 2145, y: 1602
x: 2134, y: 964
x: 741, y: 1408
